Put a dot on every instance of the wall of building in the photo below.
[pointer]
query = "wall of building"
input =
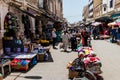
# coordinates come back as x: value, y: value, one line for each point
x: 106, y: 4
x: 111, y: 8
x: 3, y: 12
x: 85, y: 12
x: 90, y: 8
x: 33, y: 2
x: 97, y: 2
x: 59, y: 8
x: 117, y: 5
x: 97, y: 8
x: 98, y: 11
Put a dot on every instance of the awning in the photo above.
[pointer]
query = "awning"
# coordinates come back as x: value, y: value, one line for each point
x: 96, y: 23
x: 112, y: 24
x: 115, y: 15
x: 117, y: 20
x: 104, y: 19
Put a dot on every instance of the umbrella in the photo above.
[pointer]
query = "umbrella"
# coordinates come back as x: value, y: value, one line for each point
x: 96, y: 23
x: 118, y: 23
x: 112, y: 24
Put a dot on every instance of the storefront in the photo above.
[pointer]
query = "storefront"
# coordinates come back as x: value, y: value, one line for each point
x: 19, y: 26
x: 116, y: 17
x: 11, y: 38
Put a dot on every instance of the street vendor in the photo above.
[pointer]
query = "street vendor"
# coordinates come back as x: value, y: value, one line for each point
x: 78, y: 62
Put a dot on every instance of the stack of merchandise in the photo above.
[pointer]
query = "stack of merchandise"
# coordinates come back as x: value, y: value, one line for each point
x: 42, y: 52
x: 44, y: 42
x: 91, y: 61
x: 20, y: 64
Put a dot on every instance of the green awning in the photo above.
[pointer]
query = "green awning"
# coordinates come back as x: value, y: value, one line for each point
x: 104, y: 19
x: 115, y: 16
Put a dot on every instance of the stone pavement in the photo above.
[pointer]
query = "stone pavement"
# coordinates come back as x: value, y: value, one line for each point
x: 110, y: 57
x: 55, y: 69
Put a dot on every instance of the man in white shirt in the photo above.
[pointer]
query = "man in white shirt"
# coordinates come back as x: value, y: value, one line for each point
x: 65, y: 40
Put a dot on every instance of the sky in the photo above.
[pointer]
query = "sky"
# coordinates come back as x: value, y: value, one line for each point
x: 72, y: 9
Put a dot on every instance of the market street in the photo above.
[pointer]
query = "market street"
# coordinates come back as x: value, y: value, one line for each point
x: 56, y: 70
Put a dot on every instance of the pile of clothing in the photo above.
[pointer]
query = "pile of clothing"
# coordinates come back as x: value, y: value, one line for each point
x: 90, y: 61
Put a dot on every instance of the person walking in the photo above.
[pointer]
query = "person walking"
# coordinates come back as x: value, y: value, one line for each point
x: 94, y: 32
x: 73, y: 43
x: 65, y: 40
x: 85, y: 36
x: 54, y: 36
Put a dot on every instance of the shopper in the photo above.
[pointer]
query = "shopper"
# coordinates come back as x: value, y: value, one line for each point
x: 85, y: 36
x: 54, y: 36
x: 94, y: 33
x: 65, y: 40
x: 73, y: 43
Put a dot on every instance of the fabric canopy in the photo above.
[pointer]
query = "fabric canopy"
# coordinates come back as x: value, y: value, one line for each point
x: 112, y: 24
x: 96, y: 23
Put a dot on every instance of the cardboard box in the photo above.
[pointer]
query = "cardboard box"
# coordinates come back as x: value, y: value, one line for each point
x: 40, y: 57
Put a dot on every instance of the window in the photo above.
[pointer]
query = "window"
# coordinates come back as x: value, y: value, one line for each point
x: 58, y: 1
x: 111, y: 3
x: 40, y: 4
x: 104, y: 8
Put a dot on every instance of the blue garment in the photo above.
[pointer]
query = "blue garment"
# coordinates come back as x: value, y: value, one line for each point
x: 113, y: 31
x: 118, y: 36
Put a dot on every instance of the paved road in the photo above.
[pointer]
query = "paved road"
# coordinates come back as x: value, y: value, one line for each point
x: 110, y: 56
x: 56, y: 70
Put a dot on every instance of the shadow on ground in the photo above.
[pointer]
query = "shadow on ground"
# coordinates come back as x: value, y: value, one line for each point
x: 33, y: 77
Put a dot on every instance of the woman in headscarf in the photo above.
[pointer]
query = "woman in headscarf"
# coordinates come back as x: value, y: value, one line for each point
x: 85, y: 36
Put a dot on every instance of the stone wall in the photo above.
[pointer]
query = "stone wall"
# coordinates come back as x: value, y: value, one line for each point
x: 3, y: 12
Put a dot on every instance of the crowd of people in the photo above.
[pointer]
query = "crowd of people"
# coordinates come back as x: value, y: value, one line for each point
x: 72, y: 39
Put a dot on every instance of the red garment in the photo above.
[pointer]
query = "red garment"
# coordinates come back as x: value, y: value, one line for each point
x: 83, y: 41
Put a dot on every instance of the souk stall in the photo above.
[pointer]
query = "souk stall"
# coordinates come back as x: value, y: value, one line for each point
x: 91, y: 64
x: 114, y: 31
x: 118, y: 30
